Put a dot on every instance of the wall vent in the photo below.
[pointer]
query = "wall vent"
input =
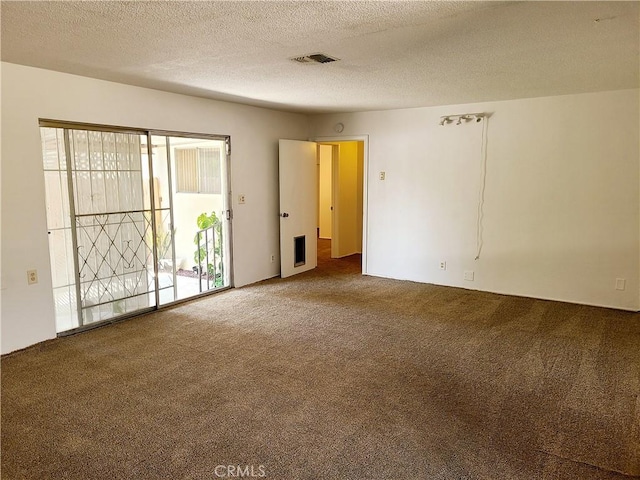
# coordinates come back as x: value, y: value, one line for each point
x: 315, y: 58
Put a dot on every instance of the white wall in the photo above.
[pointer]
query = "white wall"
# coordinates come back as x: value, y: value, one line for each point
x: 562, y: 210
x: 29, y: 94
x: 562, y: 201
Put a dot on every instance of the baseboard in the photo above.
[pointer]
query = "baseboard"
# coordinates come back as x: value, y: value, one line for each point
x: 511, y: 294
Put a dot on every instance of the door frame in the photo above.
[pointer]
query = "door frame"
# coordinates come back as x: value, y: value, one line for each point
x: 365, y: 187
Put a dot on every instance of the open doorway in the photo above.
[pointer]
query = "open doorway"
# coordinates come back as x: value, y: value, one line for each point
x: 340, y: 199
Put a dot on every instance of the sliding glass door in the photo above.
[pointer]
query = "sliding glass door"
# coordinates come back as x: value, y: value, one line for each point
x: 136, y: 220
x: 191, y: 193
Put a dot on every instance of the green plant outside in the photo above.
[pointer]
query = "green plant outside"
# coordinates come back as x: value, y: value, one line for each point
x: 204, y: 222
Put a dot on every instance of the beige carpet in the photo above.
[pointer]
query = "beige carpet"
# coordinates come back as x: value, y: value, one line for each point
x: 332, y: 375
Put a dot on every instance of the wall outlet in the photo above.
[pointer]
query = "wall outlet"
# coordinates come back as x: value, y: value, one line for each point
x: 621, y: 283
x: 383, y: 175
x: 241, y: 199
x: 443, y: 265
x: 273, y: 258
x: 468, y: 275
x: 32, y: 277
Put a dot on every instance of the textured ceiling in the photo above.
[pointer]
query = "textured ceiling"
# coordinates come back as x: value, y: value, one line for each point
x: 392, y: 54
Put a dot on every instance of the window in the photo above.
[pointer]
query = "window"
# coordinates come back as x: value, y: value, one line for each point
x: 198, y: 170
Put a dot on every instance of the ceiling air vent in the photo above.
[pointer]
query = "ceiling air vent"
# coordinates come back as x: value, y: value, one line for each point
x: 315, y: 58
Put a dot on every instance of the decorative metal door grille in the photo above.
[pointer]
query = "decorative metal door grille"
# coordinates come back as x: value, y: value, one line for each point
x: 114, y: 253
x: 99, y: 215
x: 113, y: 230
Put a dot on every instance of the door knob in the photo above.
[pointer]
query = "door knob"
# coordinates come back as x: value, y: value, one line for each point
x: 284, y: 215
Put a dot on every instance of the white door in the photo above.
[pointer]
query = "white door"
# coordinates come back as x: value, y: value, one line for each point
x: 298, y: 207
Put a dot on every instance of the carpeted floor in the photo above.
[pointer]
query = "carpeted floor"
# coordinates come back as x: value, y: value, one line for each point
x: 332, y: 375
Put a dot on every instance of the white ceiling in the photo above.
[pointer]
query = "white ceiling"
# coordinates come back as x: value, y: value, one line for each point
x: 393, y: 54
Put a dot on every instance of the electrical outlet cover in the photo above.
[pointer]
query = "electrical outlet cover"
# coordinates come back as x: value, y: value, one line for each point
x: 32, y: 277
